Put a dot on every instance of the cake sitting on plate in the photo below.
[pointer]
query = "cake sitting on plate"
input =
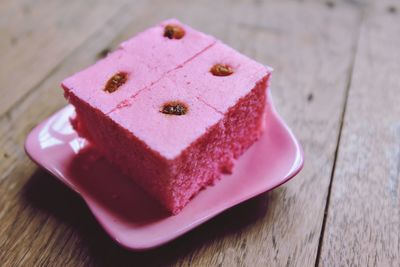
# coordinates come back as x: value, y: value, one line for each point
x: 172, y: 108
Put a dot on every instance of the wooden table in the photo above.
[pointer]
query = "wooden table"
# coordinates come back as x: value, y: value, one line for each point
x: 336, y: 83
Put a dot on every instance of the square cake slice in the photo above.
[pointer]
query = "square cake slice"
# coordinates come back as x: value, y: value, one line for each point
x: 179, y: 133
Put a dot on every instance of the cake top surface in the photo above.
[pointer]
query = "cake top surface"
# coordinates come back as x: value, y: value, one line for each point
x: 169, y: 68
x: 145, y: 59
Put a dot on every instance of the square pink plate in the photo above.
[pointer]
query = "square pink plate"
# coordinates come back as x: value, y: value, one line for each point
x: 132, y: 218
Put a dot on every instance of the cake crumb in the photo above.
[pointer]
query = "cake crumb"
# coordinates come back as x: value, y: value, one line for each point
x: 310, y: 97
x: 392, y: 9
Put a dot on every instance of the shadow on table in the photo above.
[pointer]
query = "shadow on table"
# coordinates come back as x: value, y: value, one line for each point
x: 49, y: 195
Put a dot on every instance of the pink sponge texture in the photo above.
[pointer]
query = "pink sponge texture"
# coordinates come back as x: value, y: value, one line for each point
x: 172, y: 157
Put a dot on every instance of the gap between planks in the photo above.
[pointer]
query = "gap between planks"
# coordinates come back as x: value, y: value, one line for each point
x: 339, y: 137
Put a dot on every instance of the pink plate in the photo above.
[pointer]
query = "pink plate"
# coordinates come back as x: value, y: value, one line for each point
x: 132, y: 218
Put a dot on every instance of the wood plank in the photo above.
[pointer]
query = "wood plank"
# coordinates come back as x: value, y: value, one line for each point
x: 307, y: 43
x: 37, y: 35
x: 362, y: 226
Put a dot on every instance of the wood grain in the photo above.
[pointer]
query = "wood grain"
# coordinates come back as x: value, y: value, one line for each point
x: 363, y: 222
x: 310, y: 44
x: 37, y: 35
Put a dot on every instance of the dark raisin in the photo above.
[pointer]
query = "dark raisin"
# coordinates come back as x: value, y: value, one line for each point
x: 174, y: 108
x: 174, y: 31
x: 116, y: 81
x: 221, y: 70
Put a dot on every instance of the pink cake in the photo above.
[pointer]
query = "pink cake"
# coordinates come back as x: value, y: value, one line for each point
x: 172, y: 108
